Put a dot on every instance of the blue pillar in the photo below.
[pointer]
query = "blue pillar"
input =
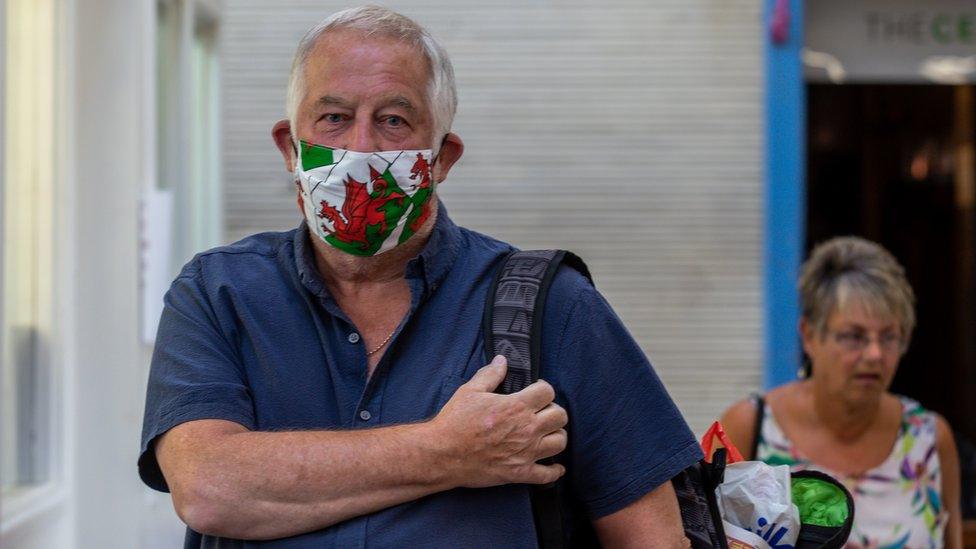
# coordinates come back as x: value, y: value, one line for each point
x: 784, y: 194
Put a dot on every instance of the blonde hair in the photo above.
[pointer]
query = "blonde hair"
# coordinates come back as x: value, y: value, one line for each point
x: 850, y: 268
x: 380, y: 21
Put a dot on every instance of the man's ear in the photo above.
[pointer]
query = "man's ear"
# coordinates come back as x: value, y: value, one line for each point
x: 281, y: 133
x: 451, y: 150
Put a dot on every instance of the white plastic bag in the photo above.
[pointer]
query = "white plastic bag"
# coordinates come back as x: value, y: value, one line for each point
x: 756, y: 497
x: 740, y: 538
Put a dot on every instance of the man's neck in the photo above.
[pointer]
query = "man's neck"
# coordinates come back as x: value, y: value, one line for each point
x: 346, y: 274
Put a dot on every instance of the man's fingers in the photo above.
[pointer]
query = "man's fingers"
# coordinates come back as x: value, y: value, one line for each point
x: 544, y: 474
x: 552, y: 444
x: 551, y: 418
x: 536, y: 396
x: 489, y: 377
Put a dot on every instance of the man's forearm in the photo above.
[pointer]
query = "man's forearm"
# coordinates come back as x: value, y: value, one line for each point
x: 231, y: 482
x: 262, y: 485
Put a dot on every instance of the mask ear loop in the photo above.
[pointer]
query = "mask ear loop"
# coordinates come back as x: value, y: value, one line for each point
x: 438, y: 155
x: 435, y: 158
x: 298, y: 159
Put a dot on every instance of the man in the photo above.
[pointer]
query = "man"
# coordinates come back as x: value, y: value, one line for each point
x: 325, y: 387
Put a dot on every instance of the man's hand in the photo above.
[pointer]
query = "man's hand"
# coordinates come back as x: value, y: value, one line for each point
x: 493, y: 439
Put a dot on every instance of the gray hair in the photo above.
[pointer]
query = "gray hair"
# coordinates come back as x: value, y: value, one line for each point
x: 849, y: 268
x: 375, y: 20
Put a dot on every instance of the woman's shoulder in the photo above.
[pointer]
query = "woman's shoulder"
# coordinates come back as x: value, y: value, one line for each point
x: 921, y: 429
x: 744, y: 412
x: 914, y: 414
x: 789, y: 400
x: 741, y: 420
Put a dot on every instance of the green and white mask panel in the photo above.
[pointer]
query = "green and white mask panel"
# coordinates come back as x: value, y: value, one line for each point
x: 364, y: 203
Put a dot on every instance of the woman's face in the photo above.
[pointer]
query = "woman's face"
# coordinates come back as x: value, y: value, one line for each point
x: 856, y: 356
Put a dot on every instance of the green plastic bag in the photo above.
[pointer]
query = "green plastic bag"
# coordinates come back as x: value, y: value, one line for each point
x: 819, y: 502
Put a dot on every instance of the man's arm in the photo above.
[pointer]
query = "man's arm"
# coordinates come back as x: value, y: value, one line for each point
x: 652, y: 521
x: 231, y: 482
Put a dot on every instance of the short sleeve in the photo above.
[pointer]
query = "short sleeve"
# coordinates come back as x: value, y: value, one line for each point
x: 195, y: 373
x: 626, y: 436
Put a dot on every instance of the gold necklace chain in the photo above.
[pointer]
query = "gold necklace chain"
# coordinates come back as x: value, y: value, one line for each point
x: 381, y: 345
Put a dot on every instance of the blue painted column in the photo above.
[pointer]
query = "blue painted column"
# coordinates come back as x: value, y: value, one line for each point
x: 785, y: 190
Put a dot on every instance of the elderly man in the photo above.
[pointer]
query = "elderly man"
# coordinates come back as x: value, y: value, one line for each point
x: 326, y: 387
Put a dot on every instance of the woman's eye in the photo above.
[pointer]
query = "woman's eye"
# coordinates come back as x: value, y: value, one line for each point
x: 889, y: 339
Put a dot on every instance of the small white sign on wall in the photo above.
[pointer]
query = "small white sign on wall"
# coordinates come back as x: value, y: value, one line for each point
x: 155, y: 257
x: 890, y: 41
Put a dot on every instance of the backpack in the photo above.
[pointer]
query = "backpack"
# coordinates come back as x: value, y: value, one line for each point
x: 512, y: 327
x: 512, y: 321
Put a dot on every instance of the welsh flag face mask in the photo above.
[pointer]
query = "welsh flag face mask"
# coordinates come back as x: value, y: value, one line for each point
x: 364, y: 203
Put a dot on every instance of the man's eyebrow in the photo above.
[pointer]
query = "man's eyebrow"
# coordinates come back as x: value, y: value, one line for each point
x: 326, y: 100
x: 395, y: 101
x: 401, y: 101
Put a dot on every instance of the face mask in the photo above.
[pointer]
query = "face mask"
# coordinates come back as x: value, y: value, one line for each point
x: 364, y: 203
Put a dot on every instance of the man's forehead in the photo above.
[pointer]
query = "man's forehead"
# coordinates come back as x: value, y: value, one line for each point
x: 340, y: 44
x: 356, y: 54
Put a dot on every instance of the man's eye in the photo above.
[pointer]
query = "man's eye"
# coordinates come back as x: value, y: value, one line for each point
x: 332, y: 118
x: 394, y: 121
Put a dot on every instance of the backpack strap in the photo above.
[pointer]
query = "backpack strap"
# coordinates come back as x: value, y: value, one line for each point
x: 512, y: 323
x: 757, y: 429
x: 512, y: 327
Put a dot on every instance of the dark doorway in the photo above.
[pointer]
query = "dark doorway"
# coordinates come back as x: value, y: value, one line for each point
x: 894, y: 163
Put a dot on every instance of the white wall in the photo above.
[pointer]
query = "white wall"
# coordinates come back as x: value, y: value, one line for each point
x: 114, y: 132
x: 113, y: 135
x: 627, y: 131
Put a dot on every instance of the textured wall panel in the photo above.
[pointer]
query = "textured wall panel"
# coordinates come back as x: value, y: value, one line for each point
x: 627, y: 131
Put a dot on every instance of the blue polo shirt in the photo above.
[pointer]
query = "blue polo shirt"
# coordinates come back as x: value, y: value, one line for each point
x: 250, y: 334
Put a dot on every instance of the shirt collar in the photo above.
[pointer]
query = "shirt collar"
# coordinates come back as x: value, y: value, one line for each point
x: 430, y: 266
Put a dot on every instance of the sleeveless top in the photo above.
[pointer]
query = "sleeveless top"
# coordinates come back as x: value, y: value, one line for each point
x: 896, y: 504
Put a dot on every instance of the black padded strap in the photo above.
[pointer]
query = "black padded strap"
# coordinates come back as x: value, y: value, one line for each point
x: 515, y: 309
x: 757, y: 428
x: 512, y: 327
x: 548, y: 516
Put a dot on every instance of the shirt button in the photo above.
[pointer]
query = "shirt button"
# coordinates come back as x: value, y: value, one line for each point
x: 365, y: 415
x: 353, y: 338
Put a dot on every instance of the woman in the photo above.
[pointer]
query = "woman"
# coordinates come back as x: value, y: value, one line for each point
x: 897, y: 459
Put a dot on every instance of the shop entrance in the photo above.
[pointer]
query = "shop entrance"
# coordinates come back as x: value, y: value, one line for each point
x: 895, y: 164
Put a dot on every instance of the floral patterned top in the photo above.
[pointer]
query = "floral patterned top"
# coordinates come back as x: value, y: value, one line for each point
x: 898, y: 504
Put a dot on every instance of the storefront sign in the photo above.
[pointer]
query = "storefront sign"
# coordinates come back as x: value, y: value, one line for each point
x: 891, y: 41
